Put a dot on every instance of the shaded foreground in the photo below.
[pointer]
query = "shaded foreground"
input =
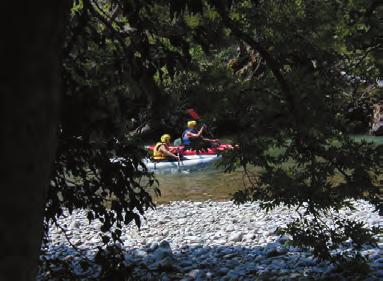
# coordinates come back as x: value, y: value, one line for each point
x: 209, y: 241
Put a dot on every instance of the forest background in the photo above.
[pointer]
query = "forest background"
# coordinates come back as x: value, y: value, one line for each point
x: 86, y: 76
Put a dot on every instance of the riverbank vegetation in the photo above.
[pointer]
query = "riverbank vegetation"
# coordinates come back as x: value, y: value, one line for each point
x: 297, y: 75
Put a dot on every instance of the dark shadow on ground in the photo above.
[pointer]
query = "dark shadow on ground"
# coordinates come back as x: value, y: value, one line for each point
x: 158, y: 261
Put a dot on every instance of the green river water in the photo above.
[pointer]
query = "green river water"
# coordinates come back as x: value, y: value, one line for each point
x: 209, y: 183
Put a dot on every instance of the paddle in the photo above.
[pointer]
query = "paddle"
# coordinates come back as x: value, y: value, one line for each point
x: 193, y: 114
x: 178, y: 160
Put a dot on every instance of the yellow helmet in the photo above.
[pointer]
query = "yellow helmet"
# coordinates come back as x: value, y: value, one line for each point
x: 165, y: 138
x: 192, y: 124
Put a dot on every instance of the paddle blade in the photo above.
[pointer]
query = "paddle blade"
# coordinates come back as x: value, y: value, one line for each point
x: 193, y: 114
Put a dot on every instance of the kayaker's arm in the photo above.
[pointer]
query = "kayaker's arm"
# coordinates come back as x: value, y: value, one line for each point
x: 210, y: 140
x: 167, y: 152
x: 197, y: 135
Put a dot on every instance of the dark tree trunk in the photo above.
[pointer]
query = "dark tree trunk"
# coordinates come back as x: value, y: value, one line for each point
x: 30, y: 43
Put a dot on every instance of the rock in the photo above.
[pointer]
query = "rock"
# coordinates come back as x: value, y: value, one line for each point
x: 153, y: 246
x: 220, y: 241
x: 186, y: 263
x: 167, y: 264
x: 259, y: 258
x: 230, y: 227
x: 68, y: 258
x: 236, y: 236
x: 208, y: 241
x: 141, y: 253
x: 194, y: 239
x: 220, y: 233
x: 249, y: 236
x: 232, y: 275
x: 75, y: 224
x: 294, y: 276
x: 164, y: 277
x: 162, y: 221
x: 196, y: 274
x: 223, y: 270
x: 181, y: 221
x: 161, y: 257
x: 283, y: 239
x: 77, y: 242
x: 276, y: 252
x: 200, y: 251
x: 369, y: 252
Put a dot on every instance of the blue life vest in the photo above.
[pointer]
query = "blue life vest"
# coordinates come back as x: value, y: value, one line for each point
x: 185, y: 138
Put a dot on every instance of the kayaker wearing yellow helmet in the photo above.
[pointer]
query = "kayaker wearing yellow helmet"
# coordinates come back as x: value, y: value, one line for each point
x: 191, y: 134
x: 161, y: 149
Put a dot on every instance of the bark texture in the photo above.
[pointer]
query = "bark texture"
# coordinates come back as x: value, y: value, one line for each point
x: 30, y: 44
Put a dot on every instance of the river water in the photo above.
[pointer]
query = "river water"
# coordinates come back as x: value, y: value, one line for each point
x: 210, y: 183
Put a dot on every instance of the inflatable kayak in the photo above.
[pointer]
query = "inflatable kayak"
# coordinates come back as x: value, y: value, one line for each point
x: 186, y: 164
x: 189, y: 163
x: 182, y: 151
x: 190, y: 160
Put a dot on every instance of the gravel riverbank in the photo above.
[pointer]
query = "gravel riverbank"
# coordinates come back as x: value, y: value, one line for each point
x: 210, y: 241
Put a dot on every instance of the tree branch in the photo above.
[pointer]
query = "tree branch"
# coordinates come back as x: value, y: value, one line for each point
x: 270, y: 61
x: 117, y: 35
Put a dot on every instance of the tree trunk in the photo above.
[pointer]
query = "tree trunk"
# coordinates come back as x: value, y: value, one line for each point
x: 30, y: 43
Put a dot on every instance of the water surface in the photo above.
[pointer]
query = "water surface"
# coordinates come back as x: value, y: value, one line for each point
x: 211, y: 183
x: 369, y: 138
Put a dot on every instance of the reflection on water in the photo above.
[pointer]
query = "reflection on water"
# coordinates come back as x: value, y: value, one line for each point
x: 201, y: 185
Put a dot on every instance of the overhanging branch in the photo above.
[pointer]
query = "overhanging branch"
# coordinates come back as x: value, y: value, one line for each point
x: 270, y: 61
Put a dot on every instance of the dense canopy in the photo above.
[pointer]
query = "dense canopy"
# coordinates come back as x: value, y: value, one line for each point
x: 297, y: 77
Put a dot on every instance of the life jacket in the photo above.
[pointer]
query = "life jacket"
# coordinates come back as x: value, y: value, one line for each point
x: 185, y: 138
x: 158, y: 155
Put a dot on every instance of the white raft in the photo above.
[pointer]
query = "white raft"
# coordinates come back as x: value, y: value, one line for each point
x: 190, y: 163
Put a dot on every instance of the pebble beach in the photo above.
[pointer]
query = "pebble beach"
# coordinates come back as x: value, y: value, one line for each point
x: 209, y: 240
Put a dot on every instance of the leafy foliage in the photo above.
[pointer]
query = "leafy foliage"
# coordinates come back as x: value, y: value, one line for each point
x: 112, y: 53
x: 286, y: 76
x: 297, y: 107
x: 315, y: 76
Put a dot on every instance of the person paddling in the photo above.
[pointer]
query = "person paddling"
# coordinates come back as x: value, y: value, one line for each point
x: 191, y: 134
x: 161, y: 150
